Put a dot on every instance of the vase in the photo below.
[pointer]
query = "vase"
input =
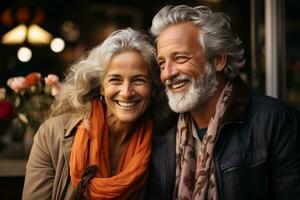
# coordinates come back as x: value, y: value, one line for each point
x: 16, y: 130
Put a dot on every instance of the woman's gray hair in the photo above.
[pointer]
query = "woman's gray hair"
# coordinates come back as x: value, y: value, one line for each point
x: 215, y: 35
x: 83, y: 79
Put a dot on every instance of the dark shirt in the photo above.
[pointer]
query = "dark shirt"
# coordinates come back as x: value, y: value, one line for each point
x: 201, y: 133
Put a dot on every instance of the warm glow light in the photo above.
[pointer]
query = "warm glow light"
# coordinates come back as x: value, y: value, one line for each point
x: 37, y: 35
x: 57, y: 45
x: 24, y: 54
x: 15, y: 36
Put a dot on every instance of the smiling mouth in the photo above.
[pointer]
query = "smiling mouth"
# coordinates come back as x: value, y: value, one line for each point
x: 127, y: 104
x: 179, y: 84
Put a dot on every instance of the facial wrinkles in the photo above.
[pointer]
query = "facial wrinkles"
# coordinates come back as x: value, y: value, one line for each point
x: 197, y: 66
x: 126, y: 90
x: 127, y: 75
x: 126, y: 87
x: 176, y: 44
x: 168, y: 49
x: 193, y: 70
x: 171, y: 40
x: 181, y: 45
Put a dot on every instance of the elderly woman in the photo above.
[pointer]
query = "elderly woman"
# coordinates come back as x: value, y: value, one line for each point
x: 99, y: 145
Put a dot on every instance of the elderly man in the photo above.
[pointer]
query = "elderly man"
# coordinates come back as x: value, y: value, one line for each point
x: 228, y: 143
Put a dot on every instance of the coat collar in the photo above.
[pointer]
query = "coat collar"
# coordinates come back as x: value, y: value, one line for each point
x: 72, y: 123
x: 238, y: 102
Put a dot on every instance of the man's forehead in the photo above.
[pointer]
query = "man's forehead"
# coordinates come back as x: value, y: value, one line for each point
x: 178, y: 34
x: 177, y: 38
x: 179, y: 28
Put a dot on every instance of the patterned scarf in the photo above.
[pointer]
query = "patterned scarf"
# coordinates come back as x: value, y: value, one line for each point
x: 195, y: 178
x: 91, y: 148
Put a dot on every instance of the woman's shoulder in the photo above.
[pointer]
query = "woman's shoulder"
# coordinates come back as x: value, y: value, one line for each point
x: 60, y: 119
x: 58, y: 127
x: 56, y: 122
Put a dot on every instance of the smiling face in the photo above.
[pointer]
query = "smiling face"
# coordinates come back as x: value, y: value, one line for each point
x: 126, y: 87
x: 179, y: 52
x: 188, y: 77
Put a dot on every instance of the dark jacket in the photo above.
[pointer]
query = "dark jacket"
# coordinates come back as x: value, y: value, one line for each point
x: 257, y: 153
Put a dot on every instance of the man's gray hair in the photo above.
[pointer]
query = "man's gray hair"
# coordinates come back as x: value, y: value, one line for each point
x: 215, y: 35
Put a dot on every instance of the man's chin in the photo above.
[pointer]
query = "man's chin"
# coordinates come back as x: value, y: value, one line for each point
x: 181, y: 107
x: 184, y: 104
x: 179, y: 110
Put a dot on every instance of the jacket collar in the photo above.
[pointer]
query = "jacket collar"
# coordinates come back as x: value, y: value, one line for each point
x: 72, y: 123
x: 72, y: 120
x: 238, y: 102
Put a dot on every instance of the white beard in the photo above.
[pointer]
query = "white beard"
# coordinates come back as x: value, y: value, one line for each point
x: 198, y: 94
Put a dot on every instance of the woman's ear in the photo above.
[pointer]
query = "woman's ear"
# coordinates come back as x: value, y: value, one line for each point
x: 220, y: 61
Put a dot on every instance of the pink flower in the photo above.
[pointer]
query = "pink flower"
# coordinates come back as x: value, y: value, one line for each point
x: 16, y: 83
x: 52, y: 80
x: 55, y: 90
x: 32, y: 79
x: 6, y: 110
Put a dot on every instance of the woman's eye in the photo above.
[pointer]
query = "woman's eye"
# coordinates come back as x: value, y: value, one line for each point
x: 139, y: 81
x: 114, y: 80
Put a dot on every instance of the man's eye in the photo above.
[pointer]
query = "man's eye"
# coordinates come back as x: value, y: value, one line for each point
x: 181, y: 59
x: 161, y: 64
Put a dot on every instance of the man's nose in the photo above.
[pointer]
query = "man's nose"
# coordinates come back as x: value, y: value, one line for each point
x: 169, y: 72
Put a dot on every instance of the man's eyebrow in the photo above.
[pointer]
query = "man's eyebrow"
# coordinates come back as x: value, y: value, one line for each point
x: 172, y: 54
x: 159, y: 58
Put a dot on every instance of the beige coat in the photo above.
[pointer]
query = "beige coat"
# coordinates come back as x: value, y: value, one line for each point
x: 47, y: 170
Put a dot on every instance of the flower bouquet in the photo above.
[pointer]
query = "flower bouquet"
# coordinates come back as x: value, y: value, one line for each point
x: 32, y: 97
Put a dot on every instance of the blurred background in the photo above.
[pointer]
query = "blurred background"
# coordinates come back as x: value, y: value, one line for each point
x: 47, y: 36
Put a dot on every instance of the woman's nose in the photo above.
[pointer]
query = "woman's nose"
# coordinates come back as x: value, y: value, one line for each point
x: 127, y: 91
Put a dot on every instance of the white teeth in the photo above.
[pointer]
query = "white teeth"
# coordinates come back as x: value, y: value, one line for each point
x: 178, y: 85
x: 126, y: 104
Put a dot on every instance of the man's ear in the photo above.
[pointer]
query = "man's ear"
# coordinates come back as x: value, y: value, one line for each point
x: 220, y: 61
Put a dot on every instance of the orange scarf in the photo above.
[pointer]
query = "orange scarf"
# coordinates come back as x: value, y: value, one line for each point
x: 92, y: 148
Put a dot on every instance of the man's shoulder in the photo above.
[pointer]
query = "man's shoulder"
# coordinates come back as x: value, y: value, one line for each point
x: 266, y: 104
